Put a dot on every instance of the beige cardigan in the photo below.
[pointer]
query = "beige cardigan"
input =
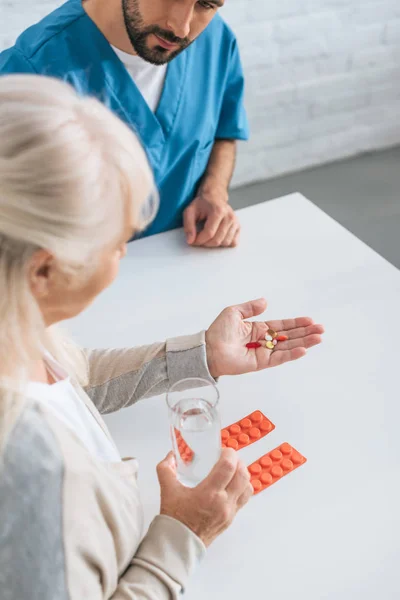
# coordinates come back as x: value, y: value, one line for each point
x: 70, y: 525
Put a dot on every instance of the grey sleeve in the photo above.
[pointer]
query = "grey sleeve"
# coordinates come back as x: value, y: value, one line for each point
x: 31, y: 543
x: 120, y: 377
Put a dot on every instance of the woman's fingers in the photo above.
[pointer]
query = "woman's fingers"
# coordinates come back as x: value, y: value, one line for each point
x: 307, y: 341
x: 287, y: 351
x: 239, y: 482
x: 289, y: 324
x: 302, y: 332
x: 280, y: 357
x: 246, y: 495
x: 223, y: 472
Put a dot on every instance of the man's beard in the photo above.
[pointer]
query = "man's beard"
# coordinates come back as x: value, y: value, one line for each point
x: 138, y: 35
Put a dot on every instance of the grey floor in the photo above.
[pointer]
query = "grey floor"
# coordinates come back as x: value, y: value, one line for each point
x: 362, y: 193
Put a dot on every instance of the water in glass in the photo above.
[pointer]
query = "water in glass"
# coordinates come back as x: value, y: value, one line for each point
x: 196, y: 425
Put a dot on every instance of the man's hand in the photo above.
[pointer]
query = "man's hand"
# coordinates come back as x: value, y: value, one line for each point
x: 210, y: 208
x: 227, y: 337
x: 221, y: 226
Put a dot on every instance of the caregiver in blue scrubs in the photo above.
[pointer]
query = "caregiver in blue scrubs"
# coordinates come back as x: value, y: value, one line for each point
x: 171, y: 70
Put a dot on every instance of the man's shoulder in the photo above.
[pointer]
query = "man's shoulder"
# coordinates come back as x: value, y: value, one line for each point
x: 48, y: 29
x: 219, y: 33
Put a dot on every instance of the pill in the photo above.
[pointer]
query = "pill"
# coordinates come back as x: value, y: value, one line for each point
x: 253, y: 345
x: 243, y: 438
x: 257, y: 485
x: 254, y: 433
x: 255, y: 469
x: 232, y: 443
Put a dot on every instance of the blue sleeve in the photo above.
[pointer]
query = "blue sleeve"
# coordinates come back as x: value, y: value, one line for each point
x: 13, y: 61
x: 233, y: 122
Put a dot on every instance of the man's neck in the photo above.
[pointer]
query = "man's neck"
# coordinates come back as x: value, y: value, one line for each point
x: 108, y: 17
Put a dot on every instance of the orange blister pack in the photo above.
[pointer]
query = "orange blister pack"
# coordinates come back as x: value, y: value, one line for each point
x: 185, y: 452
x: 273, y: 466
x: 237, y: 436
x: 246, y: 431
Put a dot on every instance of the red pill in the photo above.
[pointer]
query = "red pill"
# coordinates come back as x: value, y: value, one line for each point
x: 253, y: 345
x: 282, y: 338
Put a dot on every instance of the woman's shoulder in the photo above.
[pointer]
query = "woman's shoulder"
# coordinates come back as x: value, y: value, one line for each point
x: 31, y: 465
x: 30, y: 447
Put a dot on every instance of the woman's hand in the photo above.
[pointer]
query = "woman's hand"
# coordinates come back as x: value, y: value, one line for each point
x: 227, y: 337
x: 209, y: 508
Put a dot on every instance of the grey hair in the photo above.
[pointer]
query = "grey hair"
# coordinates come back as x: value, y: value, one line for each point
x: 69, y: 171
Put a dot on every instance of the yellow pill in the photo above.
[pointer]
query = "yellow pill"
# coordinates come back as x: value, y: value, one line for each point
x: 270, y: 345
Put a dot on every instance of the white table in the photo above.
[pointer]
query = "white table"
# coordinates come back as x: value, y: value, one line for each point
x: 331, y: 529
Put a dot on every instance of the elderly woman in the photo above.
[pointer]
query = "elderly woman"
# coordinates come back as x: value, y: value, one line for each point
x: 74, y: 186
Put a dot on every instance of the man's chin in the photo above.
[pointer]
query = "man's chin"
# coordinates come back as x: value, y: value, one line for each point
x: 158, y: 55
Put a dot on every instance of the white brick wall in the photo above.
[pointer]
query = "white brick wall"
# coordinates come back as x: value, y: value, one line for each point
x: 323, y: 77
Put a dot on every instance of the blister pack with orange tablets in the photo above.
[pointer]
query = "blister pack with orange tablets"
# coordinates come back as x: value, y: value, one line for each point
x: 268, y: 469
x: 274, y: 465
x: 246, y: 431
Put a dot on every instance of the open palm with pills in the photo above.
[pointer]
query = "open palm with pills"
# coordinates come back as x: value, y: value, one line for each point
x: 229, y: 334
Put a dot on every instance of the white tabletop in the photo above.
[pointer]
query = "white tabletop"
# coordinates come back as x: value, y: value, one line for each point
x: 331, y: 529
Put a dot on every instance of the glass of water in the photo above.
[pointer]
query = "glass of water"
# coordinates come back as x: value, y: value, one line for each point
x: 195, y: 427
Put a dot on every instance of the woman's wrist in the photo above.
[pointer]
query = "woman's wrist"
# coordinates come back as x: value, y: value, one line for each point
x: 211, y: 358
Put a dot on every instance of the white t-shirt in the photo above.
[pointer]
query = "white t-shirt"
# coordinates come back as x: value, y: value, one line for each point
x: 63, y: 400
x: 149, y: 78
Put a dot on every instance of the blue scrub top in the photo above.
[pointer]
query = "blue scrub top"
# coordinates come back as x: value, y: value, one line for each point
x: 202, y: 99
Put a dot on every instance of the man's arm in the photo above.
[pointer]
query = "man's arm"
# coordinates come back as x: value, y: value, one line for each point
x: 221, y: 226
x: 220, y: 166
x: 210, y: 206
